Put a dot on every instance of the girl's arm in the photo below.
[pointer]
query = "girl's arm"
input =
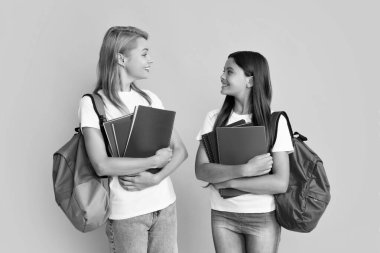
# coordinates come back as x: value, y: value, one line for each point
x: 115, y: 166
x: 274, y: 183
x: 216, y: 173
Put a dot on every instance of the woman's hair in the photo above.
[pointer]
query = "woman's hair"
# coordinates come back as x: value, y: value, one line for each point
x: 118, y: 39
x: 260, y: 97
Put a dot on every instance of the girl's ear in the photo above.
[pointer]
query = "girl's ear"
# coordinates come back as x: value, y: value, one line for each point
x: 121, y: 59
x: 250, y: 82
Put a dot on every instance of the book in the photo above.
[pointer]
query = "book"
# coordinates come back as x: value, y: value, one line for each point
x: 117, y: 132
x: 209, y: 141
x: 238, y: 145
x: 151, y: 130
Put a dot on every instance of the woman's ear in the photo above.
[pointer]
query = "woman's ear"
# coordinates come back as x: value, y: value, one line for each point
x: 250, y: 82
x: 121, y: 59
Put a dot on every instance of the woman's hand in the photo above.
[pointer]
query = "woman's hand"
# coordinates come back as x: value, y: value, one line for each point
x: 163, y: 157
x: 258, y: 165
x: 139, y: 181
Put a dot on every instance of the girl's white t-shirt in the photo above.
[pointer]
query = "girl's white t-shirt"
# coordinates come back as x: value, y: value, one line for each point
x: 126, y: 204
x: 247, y: 203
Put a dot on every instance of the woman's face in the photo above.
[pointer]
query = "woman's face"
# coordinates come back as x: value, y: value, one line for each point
x: 234, y: 81
x: 138, y: 61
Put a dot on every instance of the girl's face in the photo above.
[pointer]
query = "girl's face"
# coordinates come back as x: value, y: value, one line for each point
x: 138, y: 61
x: 234, y: 81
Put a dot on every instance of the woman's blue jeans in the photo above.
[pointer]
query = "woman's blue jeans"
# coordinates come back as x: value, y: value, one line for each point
x: 153, y: 232
x: 245, y: 232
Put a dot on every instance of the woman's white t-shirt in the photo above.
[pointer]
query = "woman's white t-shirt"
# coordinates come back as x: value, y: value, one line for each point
x: 247, y: 203
x: 126, y: 204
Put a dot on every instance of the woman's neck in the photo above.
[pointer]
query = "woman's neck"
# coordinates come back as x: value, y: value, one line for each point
x: 125, y: 80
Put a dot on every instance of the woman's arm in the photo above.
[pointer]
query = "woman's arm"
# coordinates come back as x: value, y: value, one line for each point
x: 179, y: 155
x: 115, y: 166
x: 216, y: 173
x: 146, y: 179
x: 274, y: 183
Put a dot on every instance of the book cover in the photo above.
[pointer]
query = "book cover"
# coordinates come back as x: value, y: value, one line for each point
x: 151, y: 130
x: 117, y: 132
x: 209, y: 141
x: 237, y: 145
x: 231, y: 192
x: 122, y: 128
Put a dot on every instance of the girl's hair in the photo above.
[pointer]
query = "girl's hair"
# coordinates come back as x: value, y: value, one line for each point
x: 118, y: 39
x: 260, y: 97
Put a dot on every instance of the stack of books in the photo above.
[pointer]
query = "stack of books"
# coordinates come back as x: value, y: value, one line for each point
x: 139, y: 134
x: 234, y: 144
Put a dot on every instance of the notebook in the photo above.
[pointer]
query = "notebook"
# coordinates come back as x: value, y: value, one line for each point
x: 210, y: 143
x: 151, y: 130
x: 237, y: 146
x: 117, y: 132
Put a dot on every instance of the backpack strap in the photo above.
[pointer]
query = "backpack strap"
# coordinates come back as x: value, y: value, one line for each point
x: 274, y: 119
x: 98, y: 105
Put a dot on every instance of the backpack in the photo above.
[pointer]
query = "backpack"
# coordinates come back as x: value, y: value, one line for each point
x: 302, y: 205
x: 82, y: 195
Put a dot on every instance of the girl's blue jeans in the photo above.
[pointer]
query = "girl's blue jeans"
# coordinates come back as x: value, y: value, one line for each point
x: 245, y: 232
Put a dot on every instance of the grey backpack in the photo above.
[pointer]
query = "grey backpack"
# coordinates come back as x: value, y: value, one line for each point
x: 82, y: 195
x: 302, y: 205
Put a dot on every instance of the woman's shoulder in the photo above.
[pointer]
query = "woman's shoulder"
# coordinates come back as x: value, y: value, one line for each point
x: 149, y: 92
x: 152, y: 95
x: 156, y: 101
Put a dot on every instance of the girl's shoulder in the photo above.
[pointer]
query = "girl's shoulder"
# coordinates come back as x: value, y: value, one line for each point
x: 212, y: 115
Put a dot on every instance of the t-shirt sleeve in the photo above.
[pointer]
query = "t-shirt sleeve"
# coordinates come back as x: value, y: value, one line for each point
x: 86, y: 114
x: 208, y: 124
x: 283, y: 140
x: 156, y: 101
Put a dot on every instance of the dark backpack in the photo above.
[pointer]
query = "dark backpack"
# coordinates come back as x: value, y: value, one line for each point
x: 79, y: 191
x: 302, y: 205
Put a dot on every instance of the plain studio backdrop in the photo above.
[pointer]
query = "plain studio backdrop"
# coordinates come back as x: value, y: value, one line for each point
x: 323, y: 58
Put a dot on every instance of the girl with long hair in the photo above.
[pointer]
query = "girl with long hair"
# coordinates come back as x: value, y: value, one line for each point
x: 143, y: 212
x: 246, y: 223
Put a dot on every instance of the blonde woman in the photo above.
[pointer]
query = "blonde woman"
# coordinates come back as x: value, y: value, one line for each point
x: 143, y: 212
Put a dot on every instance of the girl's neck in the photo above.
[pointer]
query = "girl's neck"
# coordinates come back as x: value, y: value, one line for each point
x: 125, y: 80
x: 241, y: 106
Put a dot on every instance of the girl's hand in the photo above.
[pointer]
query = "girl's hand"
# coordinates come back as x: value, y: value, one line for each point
x: 139, y: 181
x: 221, y: 185
x: 163, y: 157
x: 258, y: 165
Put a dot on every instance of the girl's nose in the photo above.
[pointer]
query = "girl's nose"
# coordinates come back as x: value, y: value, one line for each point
x: 222, y: 77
